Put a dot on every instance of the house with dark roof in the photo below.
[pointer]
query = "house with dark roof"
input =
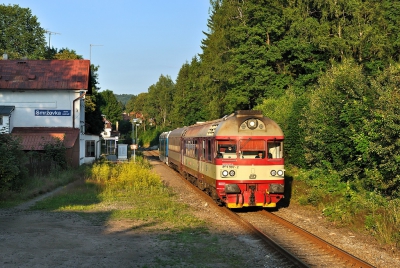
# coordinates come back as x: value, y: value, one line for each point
x: 44, y: 100
x: 110, y: 137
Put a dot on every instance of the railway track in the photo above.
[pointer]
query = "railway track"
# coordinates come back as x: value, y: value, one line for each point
x: 307, y: 247
x: 297, y: 247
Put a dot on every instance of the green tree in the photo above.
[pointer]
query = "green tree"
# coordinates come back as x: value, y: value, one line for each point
x: 140, y: 102
x: 287, y: 111
x: 188, y: 99
x: 93, y: 118
x: 130, y: 104
x: 159, y: 100
x: 378, y: 141
x: 215, y: 58
x: 110, y: 107
x: 335, y: 118
x: 255, y: 54
x: 21, y: 34
x: 67, y: 54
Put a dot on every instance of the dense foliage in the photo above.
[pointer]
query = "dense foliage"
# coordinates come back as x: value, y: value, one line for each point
x: 326, y: 71
x: 21, y: 34
x: 54, y: 154
x: 109, y: 106
x: 12, y: 159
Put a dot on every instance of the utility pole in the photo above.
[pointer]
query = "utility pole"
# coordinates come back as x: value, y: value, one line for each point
x: 91, y: 45
x: 50, y: 33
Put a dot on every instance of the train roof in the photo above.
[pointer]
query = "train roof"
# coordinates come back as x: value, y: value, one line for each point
x: 243, y: 123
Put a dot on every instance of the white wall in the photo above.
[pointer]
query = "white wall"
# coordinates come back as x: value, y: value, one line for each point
x: 27, y: 102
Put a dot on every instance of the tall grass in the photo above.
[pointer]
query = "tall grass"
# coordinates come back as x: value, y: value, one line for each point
x: 40, y: 184
x: 128, y: 190
x: 347, y: 204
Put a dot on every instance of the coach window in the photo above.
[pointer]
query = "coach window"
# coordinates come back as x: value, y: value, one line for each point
x: 203, y: 149
x: 1, y: 120
x: 275, y: 149
x: 187, y: 148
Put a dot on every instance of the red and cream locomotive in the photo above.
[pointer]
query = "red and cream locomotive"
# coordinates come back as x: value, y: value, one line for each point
x: 238, y: 159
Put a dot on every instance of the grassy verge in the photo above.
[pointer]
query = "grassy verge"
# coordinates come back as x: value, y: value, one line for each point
x: 122, y: 191
x: 347, y: 204
x: 38, y: 185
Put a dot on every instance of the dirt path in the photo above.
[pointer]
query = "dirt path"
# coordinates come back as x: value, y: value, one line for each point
x: 38, y: 239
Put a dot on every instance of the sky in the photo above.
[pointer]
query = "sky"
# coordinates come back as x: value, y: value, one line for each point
x: 133, y: 42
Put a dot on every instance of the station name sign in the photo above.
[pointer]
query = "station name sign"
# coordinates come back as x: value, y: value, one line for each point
x: 52, y: 112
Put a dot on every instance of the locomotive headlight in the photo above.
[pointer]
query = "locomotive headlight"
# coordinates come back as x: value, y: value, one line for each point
x: 225, y: 173
x: 252, y: 123
x: 232, y: 173
x: 279, y: 172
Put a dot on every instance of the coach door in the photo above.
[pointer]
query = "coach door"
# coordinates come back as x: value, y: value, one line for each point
x: 182, y: 151
x: 202, y: 153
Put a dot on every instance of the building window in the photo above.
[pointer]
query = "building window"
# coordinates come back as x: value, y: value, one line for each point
x: 90, y: 149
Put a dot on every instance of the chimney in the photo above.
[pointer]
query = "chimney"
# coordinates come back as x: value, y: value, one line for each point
x: 5, y: 56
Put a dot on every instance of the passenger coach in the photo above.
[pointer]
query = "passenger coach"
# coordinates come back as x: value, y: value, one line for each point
x: 238, y: 159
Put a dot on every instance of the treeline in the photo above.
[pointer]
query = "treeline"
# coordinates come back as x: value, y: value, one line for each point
x: 326, y: 71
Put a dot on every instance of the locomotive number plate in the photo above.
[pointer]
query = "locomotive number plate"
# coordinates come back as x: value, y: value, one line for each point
x: 230, y: 166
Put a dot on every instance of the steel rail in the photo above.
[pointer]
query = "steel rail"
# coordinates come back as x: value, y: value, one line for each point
x: 352, y: 260
x: 265, y: 238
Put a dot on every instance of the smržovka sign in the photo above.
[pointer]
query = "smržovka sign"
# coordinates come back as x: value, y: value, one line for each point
x: 52, y: 112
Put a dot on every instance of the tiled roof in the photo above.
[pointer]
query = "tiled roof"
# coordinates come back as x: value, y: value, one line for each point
x: 44, y: 74
x: 34, y: 138
x: 6, y: 110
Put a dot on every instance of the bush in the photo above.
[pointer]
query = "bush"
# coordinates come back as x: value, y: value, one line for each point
x: 55, y: 153
x: 348, y: 203
x: 12, y: 169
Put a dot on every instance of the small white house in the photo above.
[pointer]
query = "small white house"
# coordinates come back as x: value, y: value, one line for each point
x: 45, y: 99
x: 110, y: 137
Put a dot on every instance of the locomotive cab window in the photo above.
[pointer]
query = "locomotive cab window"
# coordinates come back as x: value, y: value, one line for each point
x: 226, y: 149
x: 275, y: 149
x: 250, y: 148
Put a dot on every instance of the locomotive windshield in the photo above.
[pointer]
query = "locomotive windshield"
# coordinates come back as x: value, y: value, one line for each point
x: 261, y: 149
x: 226, y: 149
x: 250, y: 148
x: 275, y: 149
